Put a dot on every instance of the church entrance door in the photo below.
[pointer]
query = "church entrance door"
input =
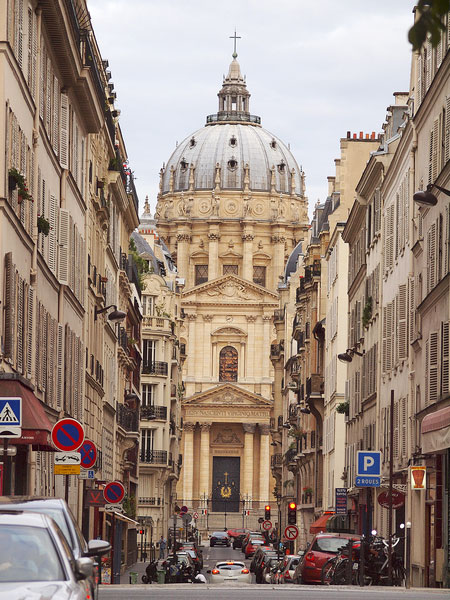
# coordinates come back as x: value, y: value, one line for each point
x: 226, y: 483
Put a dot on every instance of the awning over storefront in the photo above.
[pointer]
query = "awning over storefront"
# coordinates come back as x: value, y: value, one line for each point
x: 320, y: 524
x: 436, y: 431
x: 36, y: 426
x: 122, y: 517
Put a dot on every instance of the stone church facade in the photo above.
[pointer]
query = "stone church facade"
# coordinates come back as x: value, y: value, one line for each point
x: 231, y: 209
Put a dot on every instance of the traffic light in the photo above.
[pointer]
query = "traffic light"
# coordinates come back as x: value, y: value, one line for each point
x: 267, y: 512
x: 141, y: 531
x: 292, y: 513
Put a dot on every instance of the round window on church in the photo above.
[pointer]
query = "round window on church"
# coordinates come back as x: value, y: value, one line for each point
x: 232, y: 164
x: 228, y: 364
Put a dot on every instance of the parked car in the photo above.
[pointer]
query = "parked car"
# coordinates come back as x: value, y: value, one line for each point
x: 185, y: 568
x: 195, y: 559
x: 59, y: 511
x: 252, y: 546
x: 262, y: 559
x: 270, y: 569
x: 185, y: 546
x: 219, y: 538
x: 322, y: 547
x: 258, y: 555
x: 230, y: 570
x: 237, y: 535
x: 288, y: 567
x: 37, y: 562
x: 296, y: 576
x: 251, y: 534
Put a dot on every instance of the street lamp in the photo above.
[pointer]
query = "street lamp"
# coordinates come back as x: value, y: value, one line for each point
x: 116, y: 316
x: 426, y: 198
x: 347, y: 356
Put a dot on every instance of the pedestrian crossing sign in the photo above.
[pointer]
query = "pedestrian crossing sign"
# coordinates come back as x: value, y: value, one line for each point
x: 10, y: 417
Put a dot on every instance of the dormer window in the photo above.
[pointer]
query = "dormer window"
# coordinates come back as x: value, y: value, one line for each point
x: 232, y: 164
x: 281, y: 166
x: 273, y: 145
x: 183, y: 164
x: 192, y: 142
x: 233, y: 142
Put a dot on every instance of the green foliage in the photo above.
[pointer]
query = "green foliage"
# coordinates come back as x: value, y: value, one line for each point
x: 114, y: 164
x: 20, y: 182
x: 129, y: 506
x: 367, y: 312
x: 43, y: 225
x: 141, y: 263
x: 429, y: 22
x: 295, y: 432
x: 343, y: 408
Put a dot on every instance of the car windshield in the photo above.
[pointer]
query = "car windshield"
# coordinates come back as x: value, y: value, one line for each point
x: 28, y: 554
x: 55, y: 514
x: 329, y: 544
x: 219, y: 534
x: 228, y: 567
x: 257, y: 542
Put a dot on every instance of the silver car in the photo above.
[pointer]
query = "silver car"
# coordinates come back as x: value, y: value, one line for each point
x: 230, y: 570
x: 37, y: 562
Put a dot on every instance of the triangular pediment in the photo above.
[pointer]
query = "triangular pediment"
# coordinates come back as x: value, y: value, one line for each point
x: 227, y: 394
x: 229, y: 288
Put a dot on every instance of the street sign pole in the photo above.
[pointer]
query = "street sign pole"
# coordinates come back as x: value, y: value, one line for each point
x: 391, y: 482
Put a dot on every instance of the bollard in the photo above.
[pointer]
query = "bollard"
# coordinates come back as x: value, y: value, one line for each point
x: 348, y: 577
x: 362, y: 560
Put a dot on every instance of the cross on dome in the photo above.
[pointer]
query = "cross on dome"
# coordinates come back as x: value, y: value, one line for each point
x: 235, y: 37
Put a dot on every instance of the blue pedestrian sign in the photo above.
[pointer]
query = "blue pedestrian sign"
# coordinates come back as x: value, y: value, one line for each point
x: 368, y: 463
x: 10, y: 417
x: 367, y: 481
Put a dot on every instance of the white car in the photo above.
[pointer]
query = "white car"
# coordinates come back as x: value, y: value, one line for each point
x: 230, y: 570
x: 37, y: 562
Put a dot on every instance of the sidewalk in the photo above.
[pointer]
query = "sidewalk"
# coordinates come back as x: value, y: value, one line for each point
x: 138, y: 568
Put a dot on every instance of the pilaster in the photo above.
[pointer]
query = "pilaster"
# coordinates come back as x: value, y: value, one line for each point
x: 264, y: 462
x: 188, y: 462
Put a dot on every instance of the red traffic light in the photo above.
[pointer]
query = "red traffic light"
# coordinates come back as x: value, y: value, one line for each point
x: 141, y: 531
x: 267, y: 507
x: 292, y: 513
x: 292, y: 506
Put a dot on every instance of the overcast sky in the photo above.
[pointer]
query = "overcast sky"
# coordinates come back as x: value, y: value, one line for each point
x: 315, y: 69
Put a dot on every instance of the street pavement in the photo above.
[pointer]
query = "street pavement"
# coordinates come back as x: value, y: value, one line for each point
x: 252, y: 591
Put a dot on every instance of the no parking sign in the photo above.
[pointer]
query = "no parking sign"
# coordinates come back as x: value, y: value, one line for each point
x: 114, y: 492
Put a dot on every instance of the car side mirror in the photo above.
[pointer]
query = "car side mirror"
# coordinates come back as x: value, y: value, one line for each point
x: 209, y: 571
x: 97, y: 548
x: 84, y: 568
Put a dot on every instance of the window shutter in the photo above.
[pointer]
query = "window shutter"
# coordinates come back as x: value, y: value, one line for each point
x: 384, y: 345
x: 63, y: 251
x: 64, y: 133
x: 403, y: 427
x: 20, y: 324
x: 435, y: 151
x: 76, y: 390
x: 419, y: 80
x: 377, y: 206
x: 447, y: 129
x: 412, y: 310
x: 10, y: 308
x: 396, y: 436
x: 55, y: 115
x: 30, y: 323
x: 389, y: 331
x: 446, y: 248
x: 431, y: 256
x: 433, y: 368
x: 19, y: 32
x: 49, y: 375
x: 428, y: 64
x: 402, y: 322
x: 430, y: 157
x: 52, y: 237
x: 445, y: 359
x: 60, y: 368
x: 42, y: 79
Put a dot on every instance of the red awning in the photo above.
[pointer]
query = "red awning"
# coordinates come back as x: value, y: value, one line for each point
x: 36, y: 426
x: 319, y: 525
x: 436, y: 431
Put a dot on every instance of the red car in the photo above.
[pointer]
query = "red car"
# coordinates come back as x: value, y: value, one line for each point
x: 322, y: 547
x: 251, y: 546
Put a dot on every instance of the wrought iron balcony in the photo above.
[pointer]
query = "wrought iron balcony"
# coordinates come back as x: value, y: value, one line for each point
x: 127, y: 419
x: 314, y: 385
x: 278, y: 314
x: 155, y: 368
x: 154, y: 457
x: 276, y: 460
x: 154, y: 412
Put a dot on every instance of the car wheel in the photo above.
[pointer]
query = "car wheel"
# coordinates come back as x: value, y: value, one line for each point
x: 211, y: 545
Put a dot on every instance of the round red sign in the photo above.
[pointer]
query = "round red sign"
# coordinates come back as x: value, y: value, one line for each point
x: 398, y: 499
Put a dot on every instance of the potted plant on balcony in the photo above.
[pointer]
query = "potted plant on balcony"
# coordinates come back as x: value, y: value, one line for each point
x: 343, y: 408
x: 307, y: 493
x: 296, y: 432
x: 43, y: 225
x: 17, y: 180
x: 367, y: 312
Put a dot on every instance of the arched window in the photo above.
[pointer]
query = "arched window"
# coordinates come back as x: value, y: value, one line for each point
x: 228, y: 364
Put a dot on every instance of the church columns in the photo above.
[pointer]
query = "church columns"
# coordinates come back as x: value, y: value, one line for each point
x: 191, y: 347
x: 183, y: 242
x: 278, y: 240
x: 247, y: 262
x: 249, y: 429
x: 213, y: 237
x: 267, y: 321
x: 204, y: 485
x: 207, y: 351
x: 188, y: 462
x: 264, y: 462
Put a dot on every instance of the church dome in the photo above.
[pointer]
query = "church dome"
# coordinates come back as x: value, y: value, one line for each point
x: 232, y: 146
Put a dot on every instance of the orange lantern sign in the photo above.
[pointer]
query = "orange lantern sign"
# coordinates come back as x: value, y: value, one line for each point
x: 418, y: 478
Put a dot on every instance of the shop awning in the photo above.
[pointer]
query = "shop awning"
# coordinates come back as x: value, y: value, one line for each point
x: 436, y: 431
x: 36, y: 426
x: 123, y: 517
x: 320, y: 524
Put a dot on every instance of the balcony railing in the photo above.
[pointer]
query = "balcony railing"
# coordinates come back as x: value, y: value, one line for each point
x: 158, y: 457
x: 89, y: 61
x: 152, y: 501
x: 290, y: 455
x: 233, y: 116
x: 314, y: 385
x: 155, y: 368
x: 278, y: 314
x: 127, y: 419
x: 276, y: 349
x: 154, y: 412
x: 276, y: 460
x: 73, y: 18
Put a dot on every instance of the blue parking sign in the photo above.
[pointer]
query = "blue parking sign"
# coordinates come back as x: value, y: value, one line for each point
x: 369, y: 463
